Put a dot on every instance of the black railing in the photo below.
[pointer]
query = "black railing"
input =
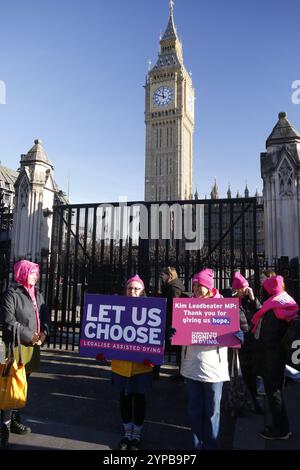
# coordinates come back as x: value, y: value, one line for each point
x: 85, y: 257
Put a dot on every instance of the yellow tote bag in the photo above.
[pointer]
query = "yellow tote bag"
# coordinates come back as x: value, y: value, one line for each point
x: 13, y: 382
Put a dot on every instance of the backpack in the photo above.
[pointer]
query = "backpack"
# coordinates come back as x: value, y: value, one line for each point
x: 291, y: 344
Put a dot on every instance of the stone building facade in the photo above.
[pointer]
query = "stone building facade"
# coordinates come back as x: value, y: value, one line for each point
x: 8, y: 178
x: 280, y: 170
x: 30, y: 194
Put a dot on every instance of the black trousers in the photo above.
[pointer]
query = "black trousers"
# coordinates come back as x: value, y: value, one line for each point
x: 272, y: 371
x: 133, y: 408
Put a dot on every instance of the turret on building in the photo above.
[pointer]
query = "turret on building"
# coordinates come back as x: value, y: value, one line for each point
x: 35, y: 192
x: 280, y: 170
x: 215, y: 191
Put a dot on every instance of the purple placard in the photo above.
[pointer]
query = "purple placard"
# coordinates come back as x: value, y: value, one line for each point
x: 126, y: 328
x: 208, y: 322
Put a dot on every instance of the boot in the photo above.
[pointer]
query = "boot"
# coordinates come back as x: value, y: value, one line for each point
x: 17, y: 427
x: 5, y: 435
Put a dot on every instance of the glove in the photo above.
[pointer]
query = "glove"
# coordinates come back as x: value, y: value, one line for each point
x: 240, y: 336
x: 148, y: 363
x: 171, y: 332
x: 100, y: 357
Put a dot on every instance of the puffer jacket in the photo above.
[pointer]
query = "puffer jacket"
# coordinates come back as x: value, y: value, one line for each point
x: 205, y: 363
x: 129, y: 368
x: 17, y: 306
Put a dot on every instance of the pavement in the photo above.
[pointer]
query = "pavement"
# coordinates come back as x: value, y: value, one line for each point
x: 73, y: 406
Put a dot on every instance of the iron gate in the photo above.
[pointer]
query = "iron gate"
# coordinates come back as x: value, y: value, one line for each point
x: 96, y: 247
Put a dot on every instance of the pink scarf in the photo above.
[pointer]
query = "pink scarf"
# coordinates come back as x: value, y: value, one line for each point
x: 283, y: 305
x: 22, y: 269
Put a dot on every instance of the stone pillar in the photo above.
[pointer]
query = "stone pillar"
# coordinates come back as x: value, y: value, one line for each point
x: 35, y: 190
x: 280, y: 170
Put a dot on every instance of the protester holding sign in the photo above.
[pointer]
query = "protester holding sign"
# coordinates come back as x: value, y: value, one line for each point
x: 269, y: 326
x: 205, y: 369
x: 132, y: 380
x: 130, y: 331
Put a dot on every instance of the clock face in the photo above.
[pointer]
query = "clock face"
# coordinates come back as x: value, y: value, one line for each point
x: 162, y: 96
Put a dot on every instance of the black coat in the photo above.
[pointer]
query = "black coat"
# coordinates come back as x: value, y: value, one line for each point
x: 171, y: 291
x: 271, y: 332
x: 247, y: 309
x: 17, y: 305
x: 269, y: 351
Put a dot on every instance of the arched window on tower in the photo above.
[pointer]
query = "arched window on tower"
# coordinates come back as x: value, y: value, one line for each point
x: 286, y: 177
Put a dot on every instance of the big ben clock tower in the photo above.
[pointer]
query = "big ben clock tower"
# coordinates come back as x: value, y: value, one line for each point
x: 169, y: 118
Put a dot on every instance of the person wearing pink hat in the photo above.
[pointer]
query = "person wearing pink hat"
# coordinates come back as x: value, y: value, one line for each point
x: 269, y: 327
x: 132, y: 380
x: 249, y: 305
x: 23, y: 303
x: 203, y: 284
x: 205, y: 369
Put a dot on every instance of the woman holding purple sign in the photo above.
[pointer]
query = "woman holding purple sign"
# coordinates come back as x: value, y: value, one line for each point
x: 205, y: 369
x: 132, y: 380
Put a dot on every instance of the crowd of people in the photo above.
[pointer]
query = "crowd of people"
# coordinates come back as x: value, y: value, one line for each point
x: 204, y: 369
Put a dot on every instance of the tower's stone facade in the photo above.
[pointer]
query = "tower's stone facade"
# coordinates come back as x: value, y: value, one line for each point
x: 169, y: 118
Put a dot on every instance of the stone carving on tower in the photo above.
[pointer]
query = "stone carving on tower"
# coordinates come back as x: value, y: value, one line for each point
x: 169, y: 119
x: 280, y: 169
x: 286, y: 178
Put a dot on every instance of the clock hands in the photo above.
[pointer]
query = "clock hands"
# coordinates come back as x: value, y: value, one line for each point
x: 162, y: 96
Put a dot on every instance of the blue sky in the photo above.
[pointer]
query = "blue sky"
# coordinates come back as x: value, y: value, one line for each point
x: 74, y: 72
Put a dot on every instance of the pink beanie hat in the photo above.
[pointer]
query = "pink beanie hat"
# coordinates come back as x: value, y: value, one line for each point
x: 239, y: 281
x: 205, y: 278
x: 274, y: 285
x: 136, y: 278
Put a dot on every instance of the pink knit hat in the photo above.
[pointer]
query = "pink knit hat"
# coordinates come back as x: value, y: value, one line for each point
x: 274, y: 285
x: 205, y: 278
x: 239, y: 281
x: 136, y: 278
